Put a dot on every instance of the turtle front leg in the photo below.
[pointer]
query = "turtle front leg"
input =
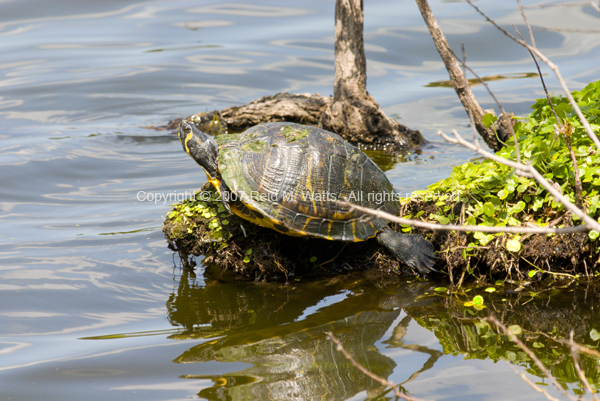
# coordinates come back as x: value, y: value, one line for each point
x: 413, y: 250
x: 225, y: 196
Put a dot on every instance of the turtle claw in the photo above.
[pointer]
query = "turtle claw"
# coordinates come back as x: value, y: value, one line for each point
x: 413, y: 250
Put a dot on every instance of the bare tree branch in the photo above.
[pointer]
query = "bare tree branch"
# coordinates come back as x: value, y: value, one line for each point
x: 592, y: 224
x: 461, y: 85
x: 528, y: 27
x: 454, y: 227
x: 554, y: 68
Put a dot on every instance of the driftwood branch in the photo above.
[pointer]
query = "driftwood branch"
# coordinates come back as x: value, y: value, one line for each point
x: 461, y: 85
x: 354, y: 114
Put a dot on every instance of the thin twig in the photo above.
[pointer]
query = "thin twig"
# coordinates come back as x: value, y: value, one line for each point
x: 385, y: 382
x: 554, y: 68
x: 478, y: 149
x: 502, y: 111
x: 528, y: 26
x: 578, y: 187
x: 563, y: 128
x: 582, y: 377
x: 453, y: 227
x: 539, y: 73
x: 530, y: 353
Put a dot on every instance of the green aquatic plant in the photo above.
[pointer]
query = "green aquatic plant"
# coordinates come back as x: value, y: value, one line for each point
x: 487, y: 193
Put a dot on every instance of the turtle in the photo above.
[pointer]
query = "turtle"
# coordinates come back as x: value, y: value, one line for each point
x: 291, y: 178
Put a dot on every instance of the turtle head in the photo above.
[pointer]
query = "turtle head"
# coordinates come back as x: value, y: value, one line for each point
x: 201, y: 147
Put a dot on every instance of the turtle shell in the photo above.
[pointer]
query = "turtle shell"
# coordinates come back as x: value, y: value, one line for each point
x: 288, y: 176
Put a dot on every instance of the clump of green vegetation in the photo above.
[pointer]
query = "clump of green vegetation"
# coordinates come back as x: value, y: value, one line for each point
x: 205, y: 209
x: 487, y: 193
x: 292, y: 134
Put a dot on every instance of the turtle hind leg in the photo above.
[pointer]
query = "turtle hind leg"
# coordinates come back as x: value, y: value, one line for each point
x: 413, y: 250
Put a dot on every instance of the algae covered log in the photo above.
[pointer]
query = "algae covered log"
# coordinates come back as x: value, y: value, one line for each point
x: 201, y: 226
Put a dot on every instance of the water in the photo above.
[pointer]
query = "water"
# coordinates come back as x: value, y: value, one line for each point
x: 95, y: 306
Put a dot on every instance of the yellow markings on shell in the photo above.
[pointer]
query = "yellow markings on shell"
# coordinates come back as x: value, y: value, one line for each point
x: 309, y: 184
x: 262, y: 179
x: 264, y: 222
x: 187, y: 138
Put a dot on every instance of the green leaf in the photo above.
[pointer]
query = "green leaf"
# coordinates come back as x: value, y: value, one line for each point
x: 513, y: 245
x: 249, y: 252
x: 531, y: 273
x: 488, y: 119
x: 502, y: 194
x: 593, y: 234
x: 440, y: 289
x: 515, y: 329
x: 594, y: 335
x: 488, y: 209
x: 313, y: 259
x: 478, y: 300
x: 246, y: 259
x: 490, y: 289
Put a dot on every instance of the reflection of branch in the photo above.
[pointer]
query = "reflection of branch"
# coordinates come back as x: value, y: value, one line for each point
x: 385, y: 382
x: 530, y: 353
x: 575, y: 355
x: 533, y: 385
x: 396, y: 342
x: 591, y: 3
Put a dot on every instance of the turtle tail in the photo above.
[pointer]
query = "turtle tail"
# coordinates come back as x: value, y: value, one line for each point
x: 413, y: 250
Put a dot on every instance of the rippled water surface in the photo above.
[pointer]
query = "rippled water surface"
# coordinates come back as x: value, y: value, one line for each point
x: 94, y: 305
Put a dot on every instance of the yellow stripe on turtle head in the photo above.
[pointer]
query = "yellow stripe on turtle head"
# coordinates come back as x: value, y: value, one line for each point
x: 187, y: 138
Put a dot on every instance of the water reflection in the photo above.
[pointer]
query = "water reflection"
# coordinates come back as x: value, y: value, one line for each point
x: 541, y: 319
x: 282, y: 332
